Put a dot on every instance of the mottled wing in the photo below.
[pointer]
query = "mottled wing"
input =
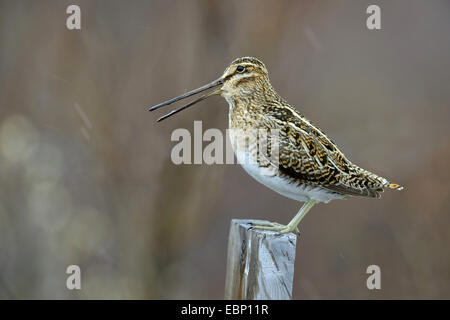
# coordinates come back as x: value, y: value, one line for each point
x: 306, y: 155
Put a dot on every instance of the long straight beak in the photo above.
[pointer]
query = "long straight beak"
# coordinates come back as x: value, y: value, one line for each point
x: 213, y: 84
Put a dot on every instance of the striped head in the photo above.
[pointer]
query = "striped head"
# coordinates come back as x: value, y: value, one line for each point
x: 244, y: 76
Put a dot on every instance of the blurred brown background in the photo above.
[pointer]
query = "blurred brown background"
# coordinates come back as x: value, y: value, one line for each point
x: 86, y: 176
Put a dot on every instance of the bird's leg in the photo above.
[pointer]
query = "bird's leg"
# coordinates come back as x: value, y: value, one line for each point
x: 292, y: 226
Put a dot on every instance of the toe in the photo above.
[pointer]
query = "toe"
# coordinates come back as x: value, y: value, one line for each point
x: 289, y: 230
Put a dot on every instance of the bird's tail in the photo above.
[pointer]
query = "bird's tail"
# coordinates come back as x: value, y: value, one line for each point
x: 395, y: 186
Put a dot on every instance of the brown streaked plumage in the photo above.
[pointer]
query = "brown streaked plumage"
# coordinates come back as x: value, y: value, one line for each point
x: 309, y: 166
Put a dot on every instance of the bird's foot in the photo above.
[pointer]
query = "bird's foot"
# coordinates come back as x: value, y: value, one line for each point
x: 274, y: 226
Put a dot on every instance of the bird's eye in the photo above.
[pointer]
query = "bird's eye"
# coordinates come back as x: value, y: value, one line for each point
x: 240, y: 69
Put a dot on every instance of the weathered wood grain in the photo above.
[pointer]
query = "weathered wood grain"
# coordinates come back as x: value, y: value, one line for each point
x: 260, y: 263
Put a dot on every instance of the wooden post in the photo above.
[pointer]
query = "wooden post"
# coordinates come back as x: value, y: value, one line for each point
x: 260, y: 263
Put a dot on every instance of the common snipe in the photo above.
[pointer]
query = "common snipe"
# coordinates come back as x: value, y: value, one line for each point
x: 309, y: 167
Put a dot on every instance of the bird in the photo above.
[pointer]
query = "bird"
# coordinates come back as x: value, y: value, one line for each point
x: 307, y: 166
